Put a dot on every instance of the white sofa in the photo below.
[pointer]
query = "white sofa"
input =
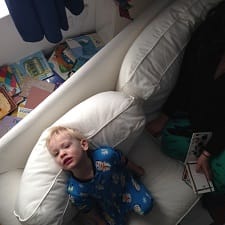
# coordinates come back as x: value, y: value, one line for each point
x: 133, y: 75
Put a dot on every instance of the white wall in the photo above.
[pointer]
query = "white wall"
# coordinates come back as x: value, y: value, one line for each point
x: 108, y: 21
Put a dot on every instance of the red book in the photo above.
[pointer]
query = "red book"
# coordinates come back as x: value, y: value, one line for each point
x: 35, y: 97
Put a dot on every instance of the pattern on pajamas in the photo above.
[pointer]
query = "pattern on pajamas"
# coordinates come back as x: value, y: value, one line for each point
x: 113, y: 189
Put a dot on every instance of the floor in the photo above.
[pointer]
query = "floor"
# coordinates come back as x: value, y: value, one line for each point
x: 198, y: 216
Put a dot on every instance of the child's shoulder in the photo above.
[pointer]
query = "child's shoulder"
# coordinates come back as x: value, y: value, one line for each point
x: 105, y: 152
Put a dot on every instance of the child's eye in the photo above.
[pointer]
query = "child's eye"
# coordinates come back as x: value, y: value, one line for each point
x: 55, y: 154
x: 67, y: 146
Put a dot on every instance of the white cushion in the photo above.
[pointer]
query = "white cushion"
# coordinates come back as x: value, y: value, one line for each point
x: 152, y: 63
x: 173, y: 198
x: 109, y: 118
x: 9, y: 182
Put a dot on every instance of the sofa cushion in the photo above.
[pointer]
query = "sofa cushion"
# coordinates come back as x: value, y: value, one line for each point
x: 9, y: 182
x: 109, y: 118
x: 151, y: 65
x: 173, y: 198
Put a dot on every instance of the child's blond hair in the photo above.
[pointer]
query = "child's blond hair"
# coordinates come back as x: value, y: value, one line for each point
x: 57, y: 130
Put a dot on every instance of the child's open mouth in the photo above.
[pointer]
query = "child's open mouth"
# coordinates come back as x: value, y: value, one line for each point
x: 67, y: 161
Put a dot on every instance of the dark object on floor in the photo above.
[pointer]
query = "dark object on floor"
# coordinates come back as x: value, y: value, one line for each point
x: 214, y: 203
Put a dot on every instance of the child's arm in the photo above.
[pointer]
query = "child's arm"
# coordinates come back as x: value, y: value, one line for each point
x: 93, y: 215
x: 137, y: 170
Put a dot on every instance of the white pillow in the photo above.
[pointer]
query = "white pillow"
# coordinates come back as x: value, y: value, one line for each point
x: 152, y: 63
x: 9, y: 182
x: 109, y: 118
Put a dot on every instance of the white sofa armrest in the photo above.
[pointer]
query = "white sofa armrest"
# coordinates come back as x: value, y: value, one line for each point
x: 99, y: 74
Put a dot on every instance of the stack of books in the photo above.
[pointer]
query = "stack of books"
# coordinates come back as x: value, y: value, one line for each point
x: 27, y: 82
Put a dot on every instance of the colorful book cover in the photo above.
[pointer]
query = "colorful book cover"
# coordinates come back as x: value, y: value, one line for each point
x: 55, y: 79
x: 30, y: 82
x: 7, y: 123
x: 8, y: 80
x: 84, y: 47
x: 62, y: 60
x: 7, y: 105
x: 35, y: 97
x: 34, y: 65
x: 22, y: 111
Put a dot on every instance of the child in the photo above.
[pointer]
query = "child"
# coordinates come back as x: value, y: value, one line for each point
x: 100, y: 183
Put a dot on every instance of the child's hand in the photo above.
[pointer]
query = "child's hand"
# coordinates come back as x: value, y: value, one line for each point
x: 140, y: 171
x: 137, y: 170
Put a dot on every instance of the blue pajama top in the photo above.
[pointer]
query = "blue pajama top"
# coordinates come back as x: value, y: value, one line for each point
x: 112, y: 189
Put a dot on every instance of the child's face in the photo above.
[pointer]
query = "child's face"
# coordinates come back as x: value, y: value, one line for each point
x: 67, y: 151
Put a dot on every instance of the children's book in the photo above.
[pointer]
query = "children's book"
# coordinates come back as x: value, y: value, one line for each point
x: 34, y: 65
x: 30, y: 82
x: 7, y: 105
x: 197, y: 181
x: 8, y: 80
x: 7, y: 123
x: 62, y: 60
x: 84, y: 47
x: 22, y: 111
x: 56, y: 80
x: 35, y: 97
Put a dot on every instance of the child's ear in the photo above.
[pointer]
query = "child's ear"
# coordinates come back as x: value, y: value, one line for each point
x: 84, y: 144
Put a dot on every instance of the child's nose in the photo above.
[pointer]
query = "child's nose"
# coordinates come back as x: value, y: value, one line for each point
x: 62, y: 153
